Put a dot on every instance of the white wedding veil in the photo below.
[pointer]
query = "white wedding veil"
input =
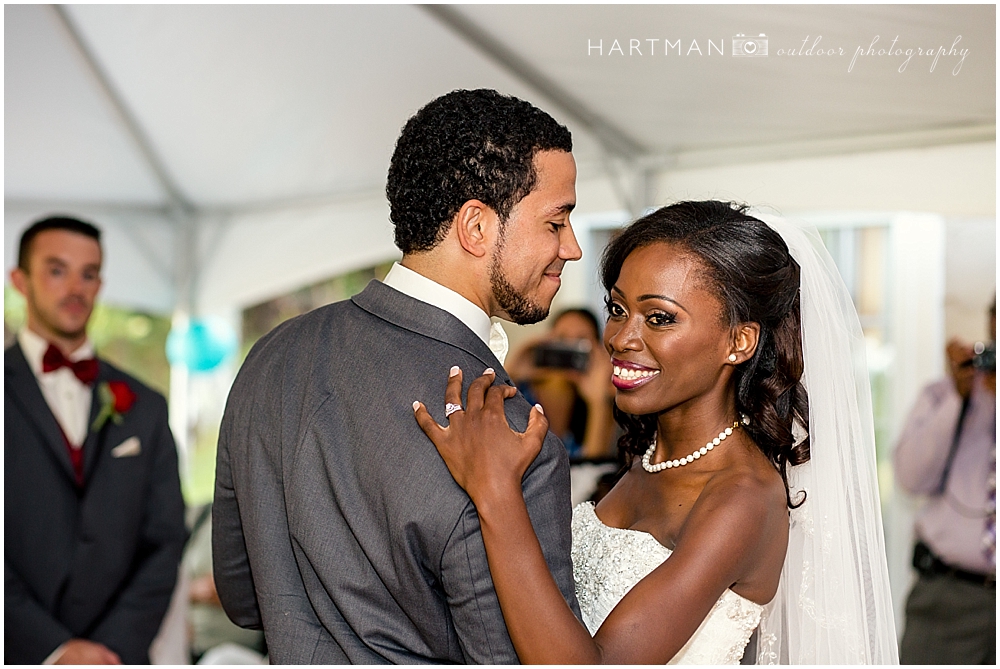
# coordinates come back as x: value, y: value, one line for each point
x: 833, y: 604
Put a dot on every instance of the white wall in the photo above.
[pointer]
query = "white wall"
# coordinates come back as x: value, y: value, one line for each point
x: 970, y: 276
x: 954, y: 181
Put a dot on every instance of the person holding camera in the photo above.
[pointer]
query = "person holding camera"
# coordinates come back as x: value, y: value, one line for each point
x: 947, y: 453
x: 568, y: 372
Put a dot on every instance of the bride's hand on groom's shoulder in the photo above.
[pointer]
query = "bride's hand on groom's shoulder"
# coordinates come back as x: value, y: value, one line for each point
x: 484, y: 455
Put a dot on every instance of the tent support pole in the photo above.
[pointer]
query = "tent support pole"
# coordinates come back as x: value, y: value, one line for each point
x: 125, y: 116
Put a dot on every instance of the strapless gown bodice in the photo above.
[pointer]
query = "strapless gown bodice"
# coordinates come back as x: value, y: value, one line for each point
x: 609, y: 561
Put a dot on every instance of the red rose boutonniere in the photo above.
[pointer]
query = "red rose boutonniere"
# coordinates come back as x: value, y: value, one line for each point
x: 116, y: 399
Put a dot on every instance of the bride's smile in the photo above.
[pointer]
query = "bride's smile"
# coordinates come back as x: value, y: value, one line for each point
x: 629, y: 375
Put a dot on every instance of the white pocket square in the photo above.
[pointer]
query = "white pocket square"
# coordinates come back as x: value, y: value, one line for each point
x: 127, y: 448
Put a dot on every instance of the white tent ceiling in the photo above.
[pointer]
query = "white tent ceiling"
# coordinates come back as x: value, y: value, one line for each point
x: 212, y: 113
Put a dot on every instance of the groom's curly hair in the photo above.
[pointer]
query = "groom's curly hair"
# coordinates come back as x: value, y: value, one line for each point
x: 749, y: 267
x: 462, y: 146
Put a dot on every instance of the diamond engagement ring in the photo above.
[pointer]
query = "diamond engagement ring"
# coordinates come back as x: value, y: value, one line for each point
x: 450, y: 408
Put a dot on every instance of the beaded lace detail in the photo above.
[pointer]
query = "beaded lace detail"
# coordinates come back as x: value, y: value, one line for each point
x: 609, y: 561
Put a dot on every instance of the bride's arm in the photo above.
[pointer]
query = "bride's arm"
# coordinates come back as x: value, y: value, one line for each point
x: 658, y: 615
x: 541, y: 625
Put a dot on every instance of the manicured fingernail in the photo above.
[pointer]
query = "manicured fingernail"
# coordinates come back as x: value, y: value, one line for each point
x: 540, y: 409
x: 416, y: 405
x: 454, y: 371
x: 489, y: 370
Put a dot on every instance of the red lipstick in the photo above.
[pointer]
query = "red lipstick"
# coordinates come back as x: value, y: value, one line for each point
x: 630, y: 375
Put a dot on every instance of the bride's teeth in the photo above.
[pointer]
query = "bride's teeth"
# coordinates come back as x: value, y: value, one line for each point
x: 629, y: 374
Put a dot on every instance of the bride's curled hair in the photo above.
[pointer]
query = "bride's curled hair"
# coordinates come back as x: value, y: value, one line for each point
x: 750, y: 269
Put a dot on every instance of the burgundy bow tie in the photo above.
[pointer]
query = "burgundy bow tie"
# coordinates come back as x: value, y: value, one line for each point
x: 85, y: 370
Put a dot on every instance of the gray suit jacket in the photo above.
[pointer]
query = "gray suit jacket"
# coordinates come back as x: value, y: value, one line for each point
x: 337, y: 528
x: 98, y: 562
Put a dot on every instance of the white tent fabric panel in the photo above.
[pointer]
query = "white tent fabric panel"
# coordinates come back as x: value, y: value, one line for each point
x: 250, y: 104
x: 260, y: 256
x: 62, y: 140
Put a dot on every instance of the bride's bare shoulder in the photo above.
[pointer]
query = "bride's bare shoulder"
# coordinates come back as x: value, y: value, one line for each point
x: 752, y: 478
x: 746, y: 492
x: 743, y: 514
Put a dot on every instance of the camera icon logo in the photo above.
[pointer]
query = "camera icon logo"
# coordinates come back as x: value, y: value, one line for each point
x: 750, y: 46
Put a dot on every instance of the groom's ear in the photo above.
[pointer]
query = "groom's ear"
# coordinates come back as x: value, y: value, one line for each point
x: 476, y: 227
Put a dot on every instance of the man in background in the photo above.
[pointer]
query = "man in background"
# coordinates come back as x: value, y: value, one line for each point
x: 947, y: 453
x: 93, y: 515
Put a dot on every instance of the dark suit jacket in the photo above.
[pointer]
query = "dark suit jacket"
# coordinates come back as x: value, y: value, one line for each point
x: 98, y: 563
x: 337, y: 526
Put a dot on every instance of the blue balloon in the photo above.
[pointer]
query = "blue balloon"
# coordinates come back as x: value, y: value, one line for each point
x: 202, y: 346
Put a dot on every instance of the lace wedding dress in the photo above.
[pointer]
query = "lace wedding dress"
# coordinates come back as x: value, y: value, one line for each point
x: 609, y: 561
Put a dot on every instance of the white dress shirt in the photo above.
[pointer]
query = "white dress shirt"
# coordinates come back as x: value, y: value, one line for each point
x: 421, y: 288
x: 67, y: 397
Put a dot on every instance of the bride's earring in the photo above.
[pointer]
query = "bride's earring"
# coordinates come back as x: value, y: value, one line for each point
x: 732, y: 357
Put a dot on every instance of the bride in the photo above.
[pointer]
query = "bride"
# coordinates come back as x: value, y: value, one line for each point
x: 748, y: 504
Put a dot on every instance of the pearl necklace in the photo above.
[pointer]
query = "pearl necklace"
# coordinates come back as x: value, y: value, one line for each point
x: 680, y: 462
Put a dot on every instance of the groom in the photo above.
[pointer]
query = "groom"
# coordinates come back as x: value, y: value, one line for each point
x: 337, y: 528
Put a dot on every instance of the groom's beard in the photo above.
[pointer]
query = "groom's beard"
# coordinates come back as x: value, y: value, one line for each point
x: 518, y: 306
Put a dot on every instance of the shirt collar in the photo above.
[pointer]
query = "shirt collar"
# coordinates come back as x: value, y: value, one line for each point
x: 33, y: 345
x: 419, y: 287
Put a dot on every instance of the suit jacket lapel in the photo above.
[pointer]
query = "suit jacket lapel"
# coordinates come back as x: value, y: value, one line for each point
x: 26, y: 392
x: 95, y: 439
x: 406, y: 312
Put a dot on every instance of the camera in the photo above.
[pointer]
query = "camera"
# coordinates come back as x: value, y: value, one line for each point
x: 750, y: 46
x: 563, y: 355
x: 986, y: 356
